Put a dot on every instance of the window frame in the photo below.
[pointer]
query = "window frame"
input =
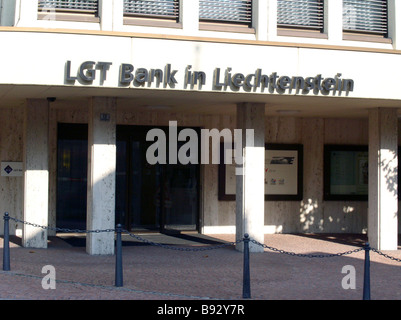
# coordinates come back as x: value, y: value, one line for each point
x: 66, y: 14
x: 209, y: 24
x: 136, y: 19
x: 328, y: 195
x: 366, y: 35
x: 302, y: 30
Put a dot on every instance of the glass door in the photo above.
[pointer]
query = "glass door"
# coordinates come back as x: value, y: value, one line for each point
x: 153, y: 197
x: 72, y: 167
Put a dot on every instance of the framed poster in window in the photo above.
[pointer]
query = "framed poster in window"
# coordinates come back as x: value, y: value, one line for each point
x: 283, y: 173
x: 346, y: 172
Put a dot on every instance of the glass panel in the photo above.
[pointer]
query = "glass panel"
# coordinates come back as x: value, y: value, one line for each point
x: 74, y: 5
x: 365, y: 16
x: 300, y: 13
x: 150, y: 8
x: 121, y: 183
x: 181, y: 202
x: 237, y: 11
x: 72, y: 163
x: 157, y: 196
x: 145, y: 190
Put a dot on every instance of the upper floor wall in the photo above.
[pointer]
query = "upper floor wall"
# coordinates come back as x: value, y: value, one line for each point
x: 358, y: 23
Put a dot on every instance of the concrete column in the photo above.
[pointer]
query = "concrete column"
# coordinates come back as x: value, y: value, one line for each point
x: 383, y: 189
x: 394, y: 23
x: 250, y: 189
x: 101, y: 175
x: 118, y: 14
x: 272, y: 20
x: 106, y: 14
x: 260, y: 14
x: 189, y: 16
x: 36, y: 173
x: 333, y: 17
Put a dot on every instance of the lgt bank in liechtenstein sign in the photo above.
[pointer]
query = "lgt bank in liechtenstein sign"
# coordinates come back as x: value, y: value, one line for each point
x: 220, y: 79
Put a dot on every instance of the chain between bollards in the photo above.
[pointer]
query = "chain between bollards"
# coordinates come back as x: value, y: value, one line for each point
x: 366, y: 277
x: 119, y: 258
x: 6, y: 245
x: 245, y: 240
x: 246, y: 288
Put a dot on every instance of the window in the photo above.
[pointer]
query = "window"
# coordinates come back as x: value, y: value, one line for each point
x: 152, y: 9
x: 346, y: 172
x: 231, y: 11
x: 365, y: 16
x: 85, y: 6
x: 303, y: 14
x: 153, y: 13
x: 82, y: 10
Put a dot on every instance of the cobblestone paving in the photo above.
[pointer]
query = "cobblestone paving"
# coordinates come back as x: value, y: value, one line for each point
x: 155, y: 273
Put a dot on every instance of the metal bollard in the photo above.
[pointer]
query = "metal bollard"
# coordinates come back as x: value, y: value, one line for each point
x: 246, y: 286
x: 366, y: 277
x: 119, y: 258
x: 6, y: 246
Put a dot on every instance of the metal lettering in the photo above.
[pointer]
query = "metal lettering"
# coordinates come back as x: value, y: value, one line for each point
x: 87, y: 72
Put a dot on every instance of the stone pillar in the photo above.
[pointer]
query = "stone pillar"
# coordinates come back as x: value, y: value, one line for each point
x: 383, y: 189
x: 250, y: 192
x: 101, y: 175
x: 36, y: 173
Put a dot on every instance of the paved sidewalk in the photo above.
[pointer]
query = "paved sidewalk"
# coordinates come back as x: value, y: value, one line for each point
x: 156, y: 273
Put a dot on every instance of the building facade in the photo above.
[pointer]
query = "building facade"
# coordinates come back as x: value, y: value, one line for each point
x: 90, y: 89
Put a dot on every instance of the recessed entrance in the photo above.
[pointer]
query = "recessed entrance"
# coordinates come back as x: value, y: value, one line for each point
x: 159, y: 197
x: 148, y: 197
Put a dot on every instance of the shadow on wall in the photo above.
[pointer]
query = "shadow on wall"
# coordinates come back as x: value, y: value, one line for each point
x: 308, y: 216
x: 331, y: 217
x: 390, y: 166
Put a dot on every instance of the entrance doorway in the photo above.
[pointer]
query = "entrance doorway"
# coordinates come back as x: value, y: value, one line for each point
x: 148, y: 197
x: 72, y: 168
x: 159, y: 197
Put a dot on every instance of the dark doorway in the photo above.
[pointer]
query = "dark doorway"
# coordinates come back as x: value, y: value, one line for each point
x: 72, y: 167
x: 160, y: 197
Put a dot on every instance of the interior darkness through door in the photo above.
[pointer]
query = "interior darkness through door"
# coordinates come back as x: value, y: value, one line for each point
x: 152, y: 197
x: 161, y: 197
x: 72, y: 167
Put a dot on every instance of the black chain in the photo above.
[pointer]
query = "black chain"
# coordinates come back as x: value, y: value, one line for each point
x: 385, y: 255
x: 303, y: 255
x: 223, y: 245
x: 63, y: 230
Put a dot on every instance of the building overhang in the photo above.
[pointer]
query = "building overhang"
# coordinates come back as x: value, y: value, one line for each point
x: 12, y: 96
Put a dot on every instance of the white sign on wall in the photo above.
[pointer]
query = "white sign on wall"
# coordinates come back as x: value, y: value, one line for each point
x: 11, y: 169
